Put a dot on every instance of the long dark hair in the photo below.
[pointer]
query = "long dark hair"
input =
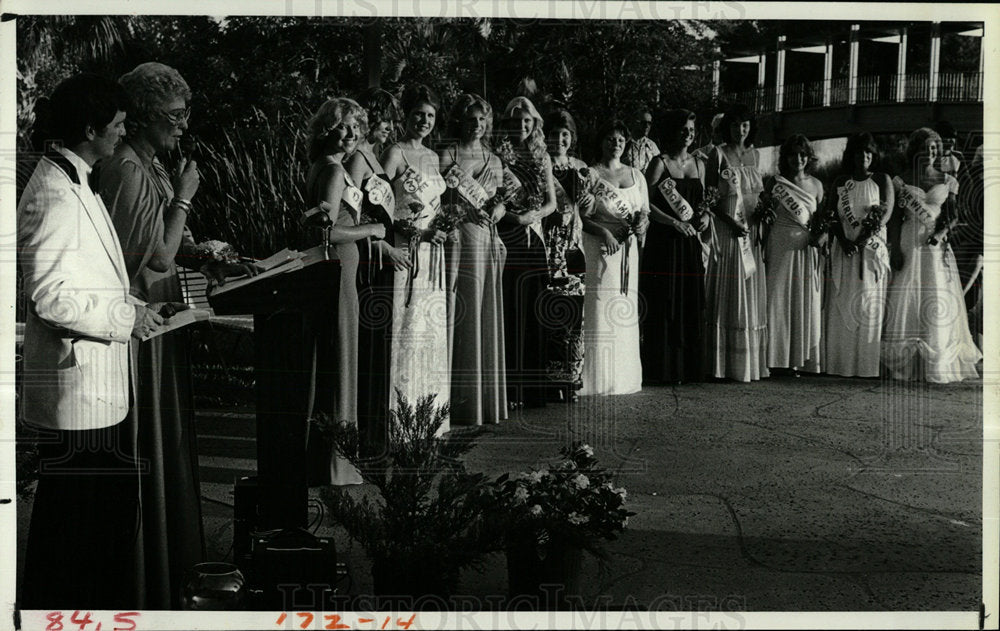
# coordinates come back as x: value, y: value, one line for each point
x: 735, y: 115
x: 861, y: 141
x: 794, y: 145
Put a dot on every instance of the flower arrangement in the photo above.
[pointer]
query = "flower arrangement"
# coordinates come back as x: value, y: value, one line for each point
x: 572, y: 502
x: 505, y: 150
x: 214, y: 250
x: 764, y: 214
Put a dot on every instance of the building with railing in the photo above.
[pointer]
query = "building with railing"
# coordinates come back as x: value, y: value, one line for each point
x: 883, y: 77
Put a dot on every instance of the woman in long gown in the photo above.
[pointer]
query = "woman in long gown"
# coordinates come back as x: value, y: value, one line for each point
x: 473, y: 174
x: 672, y: 283
x: 333, y: 133
x: 613, y: 225
x: 927, y: 328
x: 528, y: 179
x: 563, y: 294
x: 379, y: 260
x: 419, y: 364
x: 149, y: 208
x: 859, y: 263
x: 737, y: 290
x: 794, y: 263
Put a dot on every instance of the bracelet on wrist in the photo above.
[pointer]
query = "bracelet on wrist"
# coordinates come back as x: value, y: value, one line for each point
x: 182, y: 204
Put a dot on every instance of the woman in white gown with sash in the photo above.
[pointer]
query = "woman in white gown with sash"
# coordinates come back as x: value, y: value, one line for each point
x: 419, y: 363
x: 794, y: 263
x: 927, y: 329
x: 859, y: 263
x: 737, y: 291
x: 613, y: 224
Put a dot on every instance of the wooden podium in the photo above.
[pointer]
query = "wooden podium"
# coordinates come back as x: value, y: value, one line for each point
x: 286, y: 308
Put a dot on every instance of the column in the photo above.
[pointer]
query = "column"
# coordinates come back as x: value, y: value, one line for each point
x: 716, y: 74
x: 779, y: 76
x: 935, y: 66
x: 827, y: 73
x: 982, y: 76
x: 901, y: 67
x: 761, y: 77
x: 852, y: 71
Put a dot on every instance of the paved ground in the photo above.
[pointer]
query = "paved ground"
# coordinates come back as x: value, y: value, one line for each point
x: 809, y: 494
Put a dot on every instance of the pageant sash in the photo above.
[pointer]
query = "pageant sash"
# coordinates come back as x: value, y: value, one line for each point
x: 615, y: 203
x: 353, y: 197
x: 733, y: 205
x: 676, y: 201
x: 421, y: 188
x: 787, y: 194
x: 468, y: 188
x: 380, y: 194
x: 907, y: 198
x: 876, y: 243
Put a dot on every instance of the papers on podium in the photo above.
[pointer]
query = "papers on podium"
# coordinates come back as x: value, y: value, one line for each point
x: 279, y: 263
x: 179, y: 320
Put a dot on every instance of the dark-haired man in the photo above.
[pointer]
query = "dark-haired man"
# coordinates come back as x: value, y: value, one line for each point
x: 641, y: 148
x: 80, y: 320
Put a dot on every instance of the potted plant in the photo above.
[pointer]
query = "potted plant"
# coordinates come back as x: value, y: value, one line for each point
x: 550, y: 516
x: 427, y: 522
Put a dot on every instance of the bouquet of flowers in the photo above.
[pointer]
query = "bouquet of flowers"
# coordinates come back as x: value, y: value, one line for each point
x: 870, y: 225
x: 506, y: 152
x: 407, y: 226
x: 213, y: 251
x: 709, y: 200
x: 448, y: 218
x: 820, y: 224
x: 764, y: 214
x: 573, y: 501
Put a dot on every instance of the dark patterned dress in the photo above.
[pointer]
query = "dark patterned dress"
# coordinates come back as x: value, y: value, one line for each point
x: 563, y: 294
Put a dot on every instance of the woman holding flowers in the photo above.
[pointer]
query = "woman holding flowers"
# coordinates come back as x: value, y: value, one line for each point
x: 150, y: 206
x: 614, y: 224
x: 531, y: 197
x: 927, y: 327
x: 419, y: 364
x: 859, y: 262
x: 334, y: 131
x: 473, y: 175
x: 794, y: 262
x: 737, y: 292
x: 563, y: 294
x: 676, y: 252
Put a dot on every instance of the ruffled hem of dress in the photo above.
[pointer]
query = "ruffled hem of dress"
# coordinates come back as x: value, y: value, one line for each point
x: 913, y: 359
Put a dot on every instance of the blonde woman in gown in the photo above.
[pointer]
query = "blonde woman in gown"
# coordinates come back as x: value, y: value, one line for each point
x: 794, y: 265
x: 419, y: 363
x: 473, y: 174
x: 614, y: 222
x: 927, y: 329
x: 736, y: 286
x: 859, y: 272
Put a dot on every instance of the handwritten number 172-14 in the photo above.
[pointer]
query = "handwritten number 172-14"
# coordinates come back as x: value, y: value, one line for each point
x: 334, y: 621
x: 55, y: 619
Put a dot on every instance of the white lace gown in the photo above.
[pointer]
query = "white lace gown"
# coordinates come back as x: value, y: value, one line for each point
x: 927, y: 327
x: 855, y: 300
x: 419, y: 362
x: 611, y: 363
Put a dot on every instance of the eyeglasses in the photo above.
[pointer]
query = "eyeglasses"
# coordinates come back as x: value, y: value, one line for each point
x: 178, y: 116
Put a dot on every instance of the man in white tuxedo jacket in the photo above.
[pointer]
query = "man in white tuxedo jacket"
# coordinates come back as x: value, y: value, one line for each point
x: 80, y: 322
